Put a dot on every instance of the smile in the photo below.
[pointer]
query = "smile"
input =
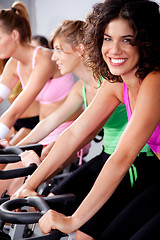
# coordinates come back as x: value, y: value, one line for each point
x: 59, y: 66
x: 117, y: 60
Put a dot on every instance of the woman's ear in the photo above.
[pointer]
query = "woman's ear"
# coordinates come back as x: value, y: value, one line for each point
x: 15, y: 35
x: 80, y: 49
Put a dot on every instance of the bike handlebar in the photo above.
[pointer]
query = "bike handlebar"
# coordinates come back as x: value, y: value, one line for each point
x: 41, y: 203
x: 19, y: 172
x: 11, y: 155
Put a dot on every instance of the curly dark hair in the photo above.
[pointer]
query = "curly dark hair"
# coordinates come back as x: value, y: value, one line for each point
x: 144, y: 18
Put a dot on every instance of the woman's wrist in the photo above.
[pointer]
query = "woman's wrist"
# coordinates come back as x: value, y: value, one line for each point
x: 73, y: 222
x: 4, y: 130
x: 29, y: 185
x: 4, y: 91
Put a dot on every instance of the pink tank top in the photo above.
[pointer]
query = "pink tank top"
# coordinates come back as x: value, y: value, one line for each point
x: 154, y: 141
x: 55, y: 89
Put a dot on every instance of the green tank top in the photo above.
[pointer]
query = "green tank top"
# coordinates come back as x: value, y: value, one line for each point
x: 114, y: 127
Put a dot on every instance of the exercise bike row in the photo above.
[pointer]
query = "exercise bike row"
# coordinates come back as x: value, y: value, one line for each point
x: 61, y: 203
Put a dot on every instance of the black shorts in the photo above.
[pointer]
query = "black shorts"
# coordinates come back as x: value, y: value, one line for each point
x: 148, y: 169
x: 139, y: 220
x: 26, y: 123
x: 81, y: 181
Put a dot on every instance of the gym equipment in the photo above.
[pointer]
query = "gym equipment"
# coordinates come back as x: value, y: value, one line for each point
x: 42, y: 204
x: 11, y: 155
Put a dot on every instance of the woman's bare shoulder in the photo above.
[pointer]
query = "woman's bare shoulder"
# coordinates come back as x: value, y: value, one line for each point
x: 151, y: 83
x: 10, y: 68
x: 44, y: 53
x: 115, y: 89
x: 44, y: 57
x: 152, y: 77
x: 77, y: 88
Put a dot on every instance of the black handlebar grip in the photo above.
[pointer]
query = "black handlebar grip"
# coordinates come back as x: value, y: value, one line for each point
x: 10, y: 158
x: 19, y: 172
x: 35, y: 147
x: 10, y: 154
x: 7, y: 215
x: 11, y: 150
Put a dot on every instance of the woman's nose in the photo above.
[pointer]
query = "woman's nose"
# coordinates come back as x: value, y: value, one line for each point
x: 54, y: 57
x: 115, y: 48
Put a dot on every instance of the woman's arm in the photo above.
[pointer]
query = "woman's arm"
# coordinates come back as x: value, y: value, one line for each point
x: 70, y: 140
x: 8, y: 79
x: 41, y: 73
x: 144, y: 120
x: 71, y: 105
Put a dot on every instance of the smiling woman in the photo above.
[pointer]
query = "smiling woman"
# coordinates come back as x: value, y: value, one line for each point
x: 117, y: 50
x: 136, y: 64
x: 64, y: 51
x: 138, y: 86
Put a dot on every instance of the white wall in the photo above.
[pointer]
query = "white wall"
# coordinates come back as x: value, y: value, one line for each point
x: 50, y: 13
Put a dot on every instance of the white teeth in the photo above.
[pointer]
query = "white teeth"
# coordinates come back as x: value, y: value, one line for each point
x: 117, y: 60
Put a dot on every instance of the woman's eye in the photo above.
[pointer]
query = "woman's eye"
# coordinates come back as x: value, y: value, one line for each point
x: 107, y: 39
x: 127, y: 40
x: 59, y: 49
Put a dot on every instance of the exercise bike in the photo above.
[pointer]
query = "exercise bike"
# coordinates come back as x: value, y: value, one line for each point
x: 59, y: 203
x: 11, y: 155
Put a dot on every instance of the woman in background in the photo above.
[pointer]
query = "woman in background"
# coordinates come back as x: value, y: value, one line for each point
x: 25, y: 124
x: 37, y: 72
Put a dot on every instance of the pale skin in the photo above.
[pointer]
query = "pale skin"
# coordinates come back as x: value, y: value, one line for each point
x: 11, y: 47
x: 144, y: 101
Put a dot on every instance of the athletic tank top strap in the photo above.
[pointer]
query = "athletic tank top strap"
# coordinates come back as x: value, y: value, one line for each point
x: 126, y: 101
x: 33, y: 65
x: 84, y: 95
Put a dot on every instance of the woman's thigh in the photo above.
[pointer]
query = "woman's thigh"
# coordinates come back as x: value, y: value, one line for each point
x: 135, y: 215
x: 148, y: 169
x: 81, y: 180
x: 149, y: 231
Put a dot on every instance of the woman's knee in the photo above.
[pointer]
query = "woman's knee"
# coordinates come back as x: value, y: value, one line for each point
x: 82, y: 236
